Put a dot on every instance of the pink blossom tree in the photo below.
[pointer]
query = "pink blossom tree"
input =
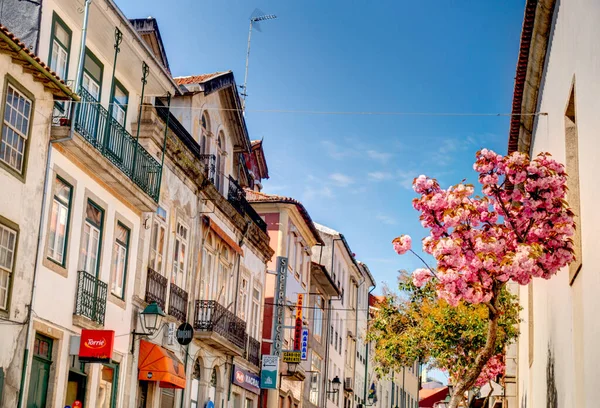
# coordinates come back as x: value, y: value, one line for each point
x: 520, y: 228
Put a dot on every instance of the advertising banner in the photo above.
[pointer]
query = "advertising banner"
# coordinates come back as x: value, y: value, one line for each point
x: 246, y: 379
x: 96, y: 346
x: 269, y: 371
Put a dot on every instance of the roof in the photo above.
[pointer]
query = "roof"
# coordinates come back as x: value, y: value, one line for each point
x: 537, y: 23
x: 366, y: 269
x: 375, y: 300
x: 198, y: 79
x: 259, y: 197
x: 331, y: 231
x: 429, y: 396
x: 10, y: 44
x: 148, y: 30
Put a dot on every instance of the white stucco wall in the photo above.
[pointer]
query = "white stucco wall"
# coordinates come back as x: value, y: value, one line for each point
x: 564, y: 322
x: 20, y: 203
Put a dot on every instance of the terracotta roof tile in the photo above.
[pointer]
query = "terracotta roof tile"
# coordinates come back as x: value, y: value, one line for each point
x: 37, y: 59
x: 198, y: 79
x: 259, y: 197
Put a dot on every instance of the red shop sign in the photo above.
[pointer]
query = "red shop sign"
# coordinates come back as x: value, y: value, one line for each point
x: 96, y: 345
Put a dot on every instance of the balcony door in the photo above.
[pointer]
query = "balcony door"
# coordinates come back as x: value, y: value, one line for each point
x: 92, y: 235
x: 91, y: 123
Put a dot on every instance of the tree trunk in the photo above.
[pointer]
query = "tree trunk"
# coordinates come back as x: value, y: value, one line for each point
x: 465, y: 383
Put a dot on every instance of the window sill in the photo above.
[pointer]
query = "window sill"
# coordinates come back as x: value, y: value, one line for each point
x: 55, y: 267
x: 114, y: 299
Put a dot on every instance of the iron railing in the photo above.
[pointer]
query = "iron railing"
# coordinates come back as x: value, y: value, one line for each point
x: 178, y: 299
x: 156, y: 288
x: 211, y: 316
x: 237, y: 197
x: 253, y: 351
x: 102, y: 131
x: 90, y: 300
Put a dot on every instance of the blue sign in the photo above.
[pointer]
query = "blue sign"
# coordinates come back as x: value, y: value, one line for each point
x: 304, y: 344
x: 246, y: 379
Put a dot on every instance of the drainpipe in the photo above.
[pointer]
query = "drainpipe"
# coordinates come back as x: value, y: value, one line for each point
x: 44, y: 194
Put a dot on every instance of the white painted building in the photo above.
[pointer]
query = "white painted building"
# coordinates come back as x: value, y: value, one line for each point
x: 29, y: 91
x: 557, y: 75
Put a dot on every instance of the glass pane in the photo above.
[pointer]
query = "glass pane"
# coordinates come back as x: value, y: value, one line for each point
x: 61, y: 34
x: 93, y: 214
x: 62, y: 190
x: 122, y: 234
x: 120, y: 96
x: 94, y: 70
x: 7, y: 247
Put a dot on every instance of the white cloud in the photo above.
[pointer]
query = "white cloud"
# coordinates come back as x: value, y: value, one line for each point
x: 386, y: 219
x: 341, y: 180
x: 405, y: 178
x: 379, y: 156
x: 379, y: 176
x: 311, y: 193
x: 336, y: 152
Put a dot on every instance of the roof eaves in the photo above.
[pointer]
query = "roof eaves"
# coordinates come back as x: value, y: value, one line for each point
x: 537, y: 24
x: 19, y: 47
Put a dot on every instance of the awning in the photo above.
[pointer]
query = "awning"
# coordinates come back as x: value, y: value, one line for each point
x: 223, y: 235
x: 159, y: 364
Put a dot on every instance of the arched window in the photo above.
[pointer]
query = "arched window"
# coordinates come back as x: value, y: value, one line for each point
x: 221, y: 160
x: 204, y: 137
x: 196, y: 377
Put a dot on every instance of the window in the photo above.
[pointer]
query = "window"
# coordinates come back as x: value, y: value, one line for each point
x: 315, y: 378
x: 59, y: 221
x: 8, y: 246
x: 119, y: 100
x: 60, y: 46
x: 256, y: 301
x: 243, y: 297
x: 207, y: 265
x: 157, y: 241
x: 90, y: 246
x: 221, y: 160
x: 318, y: 318
x: 15, y: 129
x: 204, y: 139
x: 331, y: 334
x: 119, y: 266
x: 179, y: 255
x: 92, y: 75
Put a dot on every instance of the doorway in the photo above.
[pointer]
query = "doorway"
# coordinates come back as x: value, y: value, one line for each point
x: 40, y: 372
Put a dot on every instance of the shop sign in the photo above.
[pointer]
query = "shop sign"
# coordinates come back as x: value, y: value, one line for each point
x: 298, y: 328
x: 185, y: 334
x: 291, y: 356
x: 246, y: 379
x: 304, y: 345
x: 279, y: 304
x: 96, y: 346
x: 268, y: 372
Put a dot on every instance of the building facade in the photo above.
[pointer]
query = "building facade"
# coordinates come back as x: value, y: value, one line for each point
x: 557, y: 76
x: 30, y: 90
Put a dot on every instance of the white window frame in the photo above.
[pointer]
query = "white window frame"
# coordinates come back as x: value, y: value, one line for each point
x: 8, y: 248
x: 15, y: 129
x: 157, y: 253
x: 256, y: 303
x: 88, y: 247
x: 119, y: 266
x: 179, y: 271
x: 59, y: 218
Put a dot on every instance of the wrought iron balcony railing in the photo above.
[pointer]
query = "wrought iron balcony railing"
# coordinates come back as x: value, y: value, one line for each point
x: 211, y: 316
x: 93, y: 122
x: 237, y: 197
x: 178, y: 299
x: 156, y: 288
x: 253, y: 351
x: 90, y: 299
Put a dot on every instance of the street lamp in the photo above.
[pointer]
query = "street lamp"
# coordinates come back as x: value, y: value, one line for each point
x: 151, y: 317
x: 292, y: 367
x: 334, y: 386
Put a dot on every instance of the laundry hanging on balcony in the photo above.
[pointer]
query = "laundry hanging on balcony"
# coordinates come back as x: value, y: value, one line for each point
x: 156, y: 363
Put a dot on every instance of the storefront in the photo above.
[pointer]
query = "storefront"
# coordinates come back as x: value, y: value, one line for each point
x: 245, y: 388
x: 160, y: 374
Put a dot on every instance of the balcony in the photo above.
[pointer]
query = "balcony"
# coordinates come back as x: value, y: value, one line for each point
x: 90, y: 299
x: 220, y: 328
x: 178, y: 299
x: 105, y: 144
x: 156, y: 288
x: 348, y: 384
x: 237, y: 198
x: 253, y: 351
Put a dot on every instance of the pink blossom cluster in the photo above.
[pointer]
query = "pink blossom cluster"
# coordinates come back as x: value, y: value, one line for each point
x: 494, y: 367
x: 402, y: 244
x: 521, y: 228
x: 421, y: 276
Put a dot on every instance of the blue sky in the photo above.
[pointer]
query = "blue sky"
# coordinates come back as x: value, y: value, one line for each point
x: 354, y: 172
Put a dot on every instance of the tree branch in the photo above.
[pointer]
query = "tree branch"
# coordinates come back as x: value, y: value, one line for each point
x: 424, y: 263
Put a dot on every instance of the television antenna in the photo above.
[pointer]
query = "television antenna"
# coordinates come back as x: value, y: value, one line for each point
x: 255, y: 18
